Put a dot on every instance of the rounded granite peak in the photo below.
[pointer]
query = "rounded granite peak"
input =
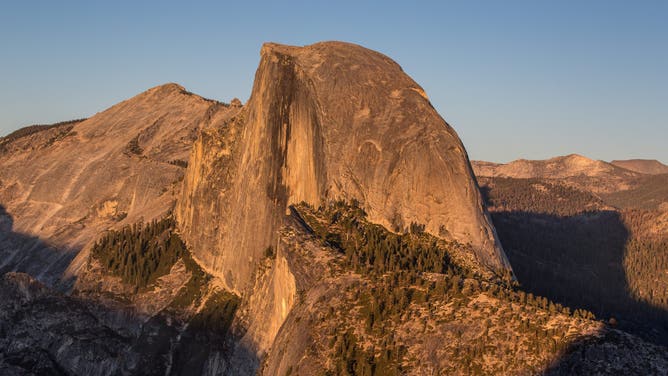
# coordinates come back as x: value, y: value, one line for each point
x: 169, y: 92
x: 168, y: 87
x: 272, y: 47
x: 337, y: 54
x: 576, y: 158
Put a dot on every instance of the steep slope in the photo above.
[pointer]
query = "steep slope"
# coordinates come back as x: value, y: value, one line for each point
x: 61, y: 186
x: 327, y: 121
x: 46, y: 333
x: 359, y: 312
x: 340, y: 311
x: 643, y: 166
x: 50, y: 334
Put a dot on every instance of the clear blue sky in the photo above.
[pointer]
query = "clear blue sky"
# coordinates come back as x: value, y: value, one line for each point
x: 530, y: 79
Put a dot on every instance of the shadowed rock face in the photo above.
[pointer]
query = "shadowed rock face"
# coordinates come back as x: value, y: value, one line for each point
x: 329, y: 121
x: 64, y: 185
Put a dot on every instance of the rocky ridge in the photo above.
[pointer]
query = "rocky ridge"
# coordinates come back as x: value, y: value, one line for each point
x: 60, y: 187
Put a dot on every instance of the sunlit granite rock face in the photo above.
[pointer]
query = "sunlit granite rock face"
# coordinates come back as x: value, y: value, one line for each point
x: 324, y: 122
x: 63, y: 186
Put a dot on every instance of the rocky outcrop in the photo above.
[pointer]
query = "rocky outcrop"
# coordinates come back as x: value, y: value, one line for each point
x: 334, y: 327
x: 47, y: 333
x: 61, y: 186
x: 324, y: 122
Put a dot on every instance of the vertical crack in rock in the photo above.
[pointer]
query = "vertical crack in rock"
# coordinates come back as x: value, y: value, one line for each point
x: 331, y: 121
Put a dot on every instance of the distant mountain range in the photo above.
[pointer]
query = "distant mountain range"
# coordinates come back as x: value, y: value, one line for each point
x: 625, y: 184
x: 590, y: 233
x: 568, y: 166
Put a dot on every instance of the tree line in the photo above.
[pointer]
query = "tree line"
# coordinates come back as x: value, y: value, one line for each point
x: 410, y: 269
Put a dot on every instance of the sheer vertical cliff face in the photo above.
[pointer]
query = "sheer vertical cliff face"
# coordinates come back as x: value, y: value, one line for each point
x: 329, y: 121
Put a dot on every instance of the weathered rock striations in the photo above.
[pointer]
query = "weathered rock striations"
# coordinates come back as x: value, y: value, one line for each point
x: 325, y: 122
x: 64, y: 185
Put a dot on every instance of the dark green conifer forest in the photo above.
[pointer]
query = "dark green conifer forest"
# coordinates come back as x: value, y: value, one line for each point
x: 140, y: 253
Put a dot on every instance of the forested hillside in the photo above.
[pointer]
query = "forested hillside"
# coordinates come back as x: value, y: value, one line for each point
x: 140, y: 253
x: 651, y: 193
x: 581, y: 250
x: 538, y: 196
x: 31, y: 129
x: 380, y: 311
